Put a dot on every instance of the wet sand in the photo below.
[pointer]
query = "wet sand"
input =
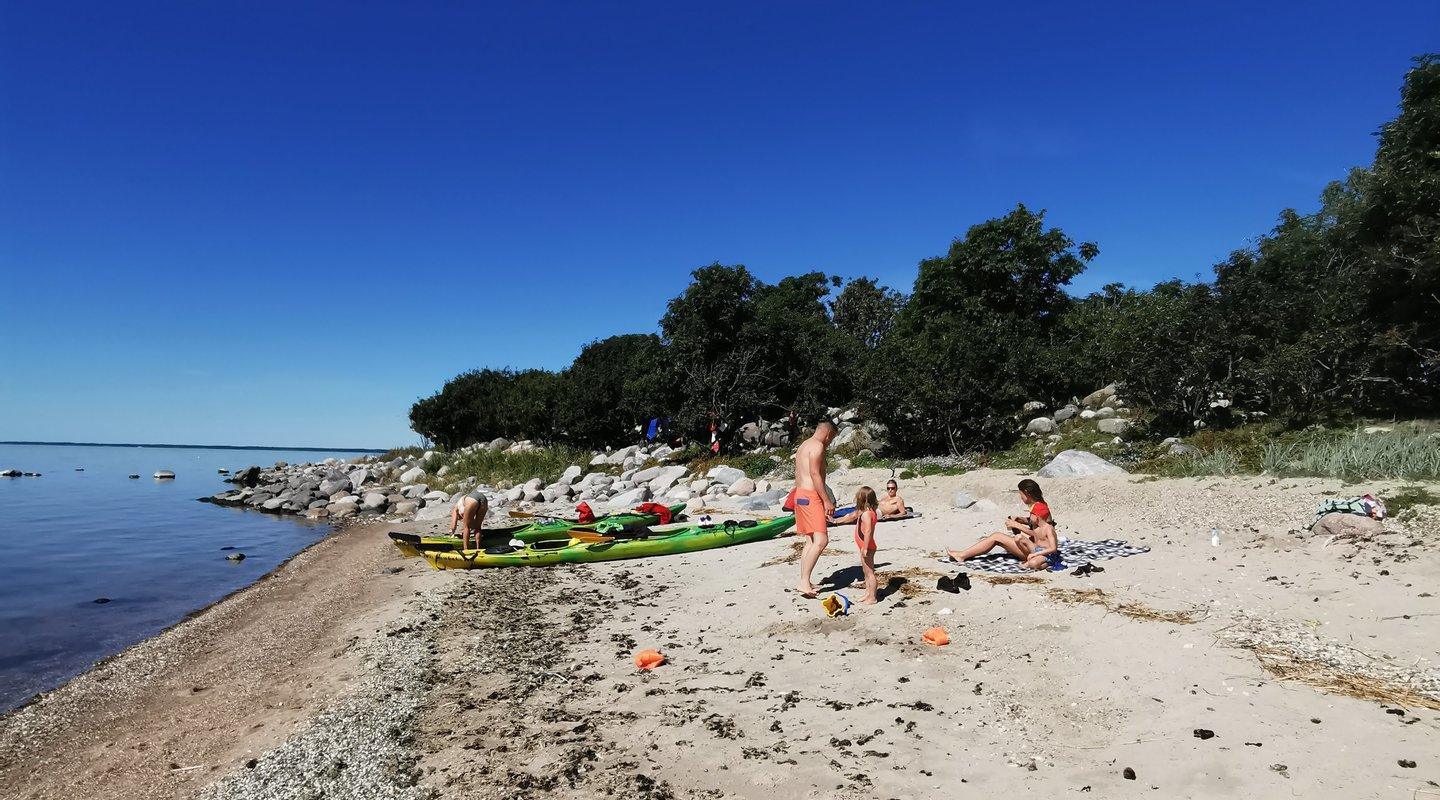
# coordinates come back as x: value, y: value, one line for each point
x: 518, y: 683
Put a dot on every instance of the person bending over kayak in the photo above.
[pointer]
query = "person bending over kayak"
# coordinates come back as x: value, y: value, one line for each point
x: 469, y: 514
x: 813, y: 506
x: 892, y: 504
x: 1030, y: 538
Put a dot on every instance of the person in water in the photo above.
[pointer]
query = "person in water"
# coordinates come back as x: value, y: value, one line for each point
x: 1030, y: 538
x: 865, y: 517
x: 468, y: 514
x: 892, y: 504
x: 813, y: 507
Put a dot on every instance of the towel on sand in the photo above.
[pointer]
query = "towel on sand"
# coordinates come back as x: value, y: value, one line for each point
x: 1073, y: 553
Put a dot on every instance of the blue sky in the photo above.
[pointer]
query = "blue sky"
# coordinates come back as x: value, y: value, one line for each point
x: 281, y: 223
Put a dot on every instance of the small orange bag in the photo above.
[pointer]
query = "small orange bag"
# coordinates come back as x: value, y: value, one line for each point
x: 649, y: 659
x: 937, y: 637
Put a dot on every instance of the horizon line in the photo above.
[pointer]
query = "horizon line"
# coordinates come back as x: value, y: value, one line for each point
x: 206, y: 446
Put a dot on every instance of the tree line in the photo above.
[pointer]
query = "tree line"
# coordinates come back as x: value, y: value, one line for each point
x: 1330, y: 315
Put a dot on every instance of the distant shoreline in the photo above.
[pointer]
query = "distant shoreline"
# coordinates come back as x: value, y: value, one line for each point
x: 208, y: 446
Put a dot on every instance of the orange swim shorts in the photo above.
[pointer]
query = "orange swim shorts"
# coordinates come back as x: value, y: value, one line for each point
x: 809, y: 513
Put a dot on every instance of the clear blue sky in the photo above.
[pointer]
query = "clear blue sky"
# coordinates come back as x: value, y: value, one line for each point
x: 281, y: 223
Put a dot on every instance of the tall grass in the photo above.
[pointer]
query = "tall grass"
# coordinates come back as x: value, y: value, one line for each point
x: 1407, y: 453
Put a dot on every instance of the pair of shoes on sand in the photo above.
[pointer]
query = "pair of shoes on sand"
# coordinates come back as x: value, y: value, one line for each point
x: 1086, y: 569
x: 953, y: 585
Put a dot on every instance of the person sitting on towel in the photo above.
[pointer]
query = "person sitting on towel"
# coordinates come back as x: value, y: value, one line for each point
x: 892, y: 504
x: 1030, y: 538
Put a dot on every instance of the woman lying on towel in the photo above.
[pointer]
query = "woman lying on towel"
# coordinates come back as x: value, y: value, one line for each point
x: 1030, y: 538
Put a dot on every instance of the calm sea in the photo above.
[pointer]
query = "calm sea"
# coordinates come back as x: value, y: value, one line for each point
x: 69, y: 537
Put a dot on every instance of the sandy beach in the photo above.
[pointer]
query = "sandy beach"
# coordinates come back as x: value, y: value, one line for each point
x: 354, y: 672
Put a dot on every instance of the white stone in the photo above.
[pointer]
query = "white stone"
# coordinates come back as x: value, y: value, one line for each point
x: 741, y: 488
x: 1077, y: 464
x: 725, y: 475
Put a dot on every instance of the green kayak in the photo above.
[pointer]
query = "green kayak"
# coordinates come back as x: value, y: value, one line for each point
x: 541, y: 529
x: 635, y: 544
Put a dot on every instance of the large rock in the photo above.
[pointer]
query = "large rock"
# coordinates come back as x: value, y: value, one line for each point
x: 1041, y: 425
x: 764, y: 500
x: 741, y: 488
x: 1065, y: 413
x: 1112, y: 425
x: 412, y: 475
x: 725, y: 475
x: 666, y: 478
x: 1033, y: 405
x: 750, y: 433
x: 414, y: 491
x: 600, y: 460
x: 1098, y: 397
x: 374, y: 500
x: 406, y: 507
x: 646, y: 475
x: 497, y: 444
x: 777, y: 438
x: 335, y: 485
x: 1104, y: 412
x: 1077, y: 464
x: 433, y: 511
x: 570, y: 474
x: 630, y: 498
x: 1353, y: 525
x: 360, y: 477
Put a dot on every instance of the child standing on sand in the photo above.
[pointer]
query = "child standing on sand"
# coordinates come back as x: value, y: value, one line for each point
x: 865, y: 515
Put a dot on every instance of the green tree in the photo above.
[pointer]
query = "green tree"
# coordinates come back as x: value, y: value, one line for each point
x: 866, y: 311
x: 612, y: 386
x: 708, y: 333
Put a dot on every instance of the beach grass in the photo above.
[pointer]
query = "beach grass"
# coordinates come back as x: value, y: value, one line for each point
x: 1409, y: 451
x: 505, y: 469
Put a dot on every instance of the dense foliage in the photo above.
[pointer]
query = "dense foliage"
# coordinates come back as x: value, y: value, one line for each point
x: 1329, y: 315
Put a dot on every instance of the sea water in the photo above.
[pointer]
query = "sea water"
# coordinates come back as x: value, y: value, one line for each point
x: 146, y: 547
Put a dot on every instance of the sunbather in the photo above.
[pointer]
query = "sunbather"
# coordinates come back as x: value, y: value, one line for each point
x: 1030, y: 538
x: 892, y: 504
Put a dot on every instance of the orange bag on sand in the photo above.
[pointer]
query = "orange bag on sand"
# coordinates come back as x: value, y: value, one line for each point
x: 649, y: 659
x: 937, y: 637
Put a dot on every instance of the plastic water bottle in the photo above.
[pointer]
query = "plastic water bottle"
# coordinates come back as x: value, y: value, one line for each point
x: 1214, y: 537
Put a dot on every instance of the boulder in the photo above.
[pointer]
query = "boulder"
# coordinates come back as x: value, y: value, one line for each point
x: 360, y: 477
x: 764, y: 500
x: 534, y: 496
x: 1087, y: 414
x: 515, y: 494
x: 750, y: 433
x: 273, y: 504
x: 443, y: 471
x: 332, y: 486
x: 412, y: 475
x: 762, y: 486
x: 433, y: 511
x: 1077, y: 464
x: 373, y: 500
x: 633, y: 497
x: 1098, y: 397
x: 666, y: 478
x: 1040, y: 425
x: 1033, y: 405
x: 1350, y: 525
x: 316, y: 513
x: 1104, y: 412
x: 570, y: 475
x: 406, y: 507
x: 1182, y: 449
x: 1113, y: 426
x: 414, y: 491
x: 741, y: 488
x: 436, y: 496
x: 534, y: 485
x: 599, y: 460
x: 776, y: 438
x: 646, y: 475
x: 962, y: 500
x: 1065, y: 413
x: 725, y: 475
x: 694, y: 504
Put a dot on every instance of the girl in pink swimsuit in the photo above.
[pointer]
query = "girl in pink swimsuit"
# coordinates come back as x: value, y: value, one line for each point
x: 864, y: 515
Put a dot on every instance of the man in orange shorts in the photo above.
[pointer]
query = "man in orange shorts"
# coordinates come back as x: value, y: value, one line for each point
x: 813, y: 507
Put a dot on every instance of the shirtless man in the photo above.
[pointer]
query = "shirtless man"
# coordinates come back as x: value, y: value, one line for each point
x: 892, y: 504
x: 813, y: 507
x: 469, y: 513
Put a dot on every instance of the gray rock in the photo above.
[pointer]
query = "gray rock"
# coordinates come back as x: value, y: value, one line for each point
x: 764, y: 500
x: 498, y: 444
x: 1087, y: 414
x: 1063, y: 414
x: 1033, y: 405
x: 340, y: 510
x: 1098, y: 397
x: 1104, y: 412
x: 443, y: 471
x: 332, y: 486
x: 750, y: 433
x: 1182, y: 449
x: 273, y: 503
x: 741, y: 488
x: 666, y: 478
x: 405, y: 507
x: 725, y: 475
x: 646, y: 475
x: 534, y: 485
x: 776, y: 438
x: 570, y: 474
x: 436, y: 496
x: 534, y: 496
x: 412, y: 475
x: 630, y: 498
x: 1077, y: 464
x: 962, y: 500
x: 414, y: 491
x: 515, y: 494
x: 316, y: 513
x: 433, y: 511
x: 374, y: 500
x: 694, y: 504
x: 600, y: 460
x: 360, y: 477
x: 1113, y: 426
x: 1040, y: 425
